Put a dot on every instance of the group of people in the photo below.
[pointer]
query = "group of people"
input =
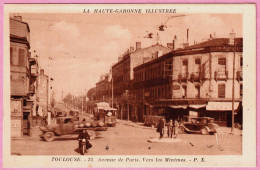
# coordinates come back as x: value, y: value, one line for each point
x: 172, y: 128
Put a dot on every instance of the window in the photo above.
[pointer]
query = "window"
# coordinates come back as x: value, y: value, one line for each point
x: 241, y: 61
x: 221, y: 90
x: 11, y: 55
x: 197, y: 92
x: 184, y: 67
x: 222, y: 65
x: 184, y: 91
x: 241, y: 90
x: 197, y: 67
x: 21, y: 57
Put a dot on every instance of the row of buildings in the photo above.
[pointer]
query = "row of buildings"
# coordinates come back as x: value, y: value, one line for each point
x: 29, y: 86
x: 177, y: 81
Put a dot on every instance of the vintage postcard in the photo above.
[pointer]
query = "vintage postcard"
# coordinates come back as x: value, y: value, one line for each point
x: 129, y: 85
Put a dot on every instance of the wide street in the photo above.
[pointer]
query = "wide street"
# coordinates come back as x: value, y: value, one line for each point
x: 126, y: 139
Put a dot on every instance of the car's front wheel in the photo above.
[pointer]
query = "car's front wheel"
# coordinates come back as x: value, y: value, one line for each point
x: 181, y: 130
x: 204, y: 131
x: 48, y: 136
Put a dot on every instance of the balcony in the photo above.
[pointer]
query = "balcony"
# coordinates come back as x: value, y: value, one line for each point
x: 183, y: 77
x: 239, y: 75
x: 221, y: 75
x: 195, y: 77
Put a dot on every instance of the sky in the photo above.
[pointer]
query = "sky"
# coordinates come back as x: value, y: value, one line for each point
x: 84, y: 46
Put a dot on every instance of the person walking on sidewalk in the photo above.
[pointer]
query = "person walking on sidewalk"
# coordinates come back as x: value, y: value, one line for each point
x: 170, y: 128
x: 160, y: 127
x: 175, y: 128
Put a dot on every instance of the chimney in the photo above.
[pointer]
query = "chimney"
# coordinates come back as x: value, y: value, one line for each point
x: 185, y: 45
x: 41, y: 72
x: 175, y: 42
x: 232, y: 38
x: 120, y: 58
x: 159, y: 53
x: 138, y: 45
x: 18, y: 18
x: 170, y: 45
x: 132, y: 49
x: 187, y: 35
x: 155, y: 55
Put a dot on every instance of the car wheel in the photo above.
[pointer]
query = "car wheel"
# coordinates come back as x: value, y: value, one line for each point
x: 92, y: 134
x: 48, y: 136
x: 204, y: 131
x: 181, y: 130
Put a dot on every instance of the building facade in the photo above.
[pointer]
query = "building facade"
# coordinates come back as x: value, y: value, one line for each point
x: 22, y: 79
x: 104, y: 88
x: 123, y: 76
x: 193, y: 81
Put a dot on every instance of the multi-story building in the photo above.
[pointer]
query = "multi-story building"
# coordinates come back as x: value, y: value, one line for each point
x: 103, y: 88
x: 123, y: 75
x: 22, y: 89
x: 196, y: 81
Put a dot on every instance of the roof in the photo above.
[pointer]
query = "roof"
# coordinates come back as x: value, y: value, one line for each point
x: 216, y: 42
x: 21, y: 22
x: 213, y: 45
x: 136, y: 51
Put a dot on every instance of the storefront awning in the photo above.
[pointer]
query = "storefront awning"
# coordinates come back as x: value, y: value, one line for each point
x: 178, y: 106
x: 110, y: 108
x: 197, y: 106
x: 221, y: 106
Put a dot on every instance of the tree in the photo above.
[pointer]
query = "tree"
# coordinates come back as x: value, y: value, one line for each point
x: 91, y: 94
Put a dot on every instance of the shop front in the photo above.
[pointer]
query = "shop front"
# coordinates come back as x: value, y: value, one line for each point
x: 222, y: 112
x: 16, y: 117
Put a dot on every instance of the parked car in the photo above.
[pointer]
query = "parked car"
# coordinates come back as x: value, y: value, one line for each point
x: 67, y: 127
x: 203, y: 125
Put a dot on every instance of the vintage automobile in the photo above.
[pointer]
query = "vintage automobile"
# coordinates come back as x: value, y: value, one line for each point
x: 203, y: 125
x: 67, y: 127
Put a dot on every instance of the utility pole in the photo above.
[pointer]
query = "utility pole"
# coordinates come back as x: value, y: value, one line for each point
x: 82, y: 104
x: 112, y: 99
x: 233, y: 89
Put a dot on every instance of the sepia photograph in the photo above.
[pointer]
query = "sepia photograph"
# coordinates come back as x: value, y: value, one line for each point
x: 126, y: 80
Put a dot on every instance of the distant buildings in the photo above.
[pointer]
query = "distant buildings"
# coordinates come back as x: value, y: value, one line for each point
x: 123, y: 76
x: 42, y: 93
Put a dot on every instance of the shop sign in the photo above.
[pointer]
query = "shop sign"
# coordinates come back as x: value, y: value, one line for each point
x: 193, y: 113
x: 16, y: 108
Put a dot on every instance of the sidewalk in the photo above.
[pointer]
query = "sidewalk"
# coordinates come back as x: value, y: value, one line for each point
x: 226, y: 130
x: 35, y: 134
x: 133, y: 124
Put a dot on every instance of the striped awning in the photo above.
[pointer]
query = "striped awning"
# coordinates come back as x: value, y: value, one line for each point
x: 221, y: 106
x: 178, y: 106
x: 197, y: 106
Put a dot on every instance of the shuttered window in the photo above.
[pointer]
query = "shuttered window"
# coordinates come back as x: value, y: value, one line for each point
x: 221, y: 90
x: 21, y: 57
x: 11, y: 55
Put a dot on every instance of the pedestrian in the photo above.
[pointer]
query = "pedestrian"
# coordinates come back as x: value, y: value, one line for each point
x: 175, y: 128
x: 170, y: 128
x: 160, y: 127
